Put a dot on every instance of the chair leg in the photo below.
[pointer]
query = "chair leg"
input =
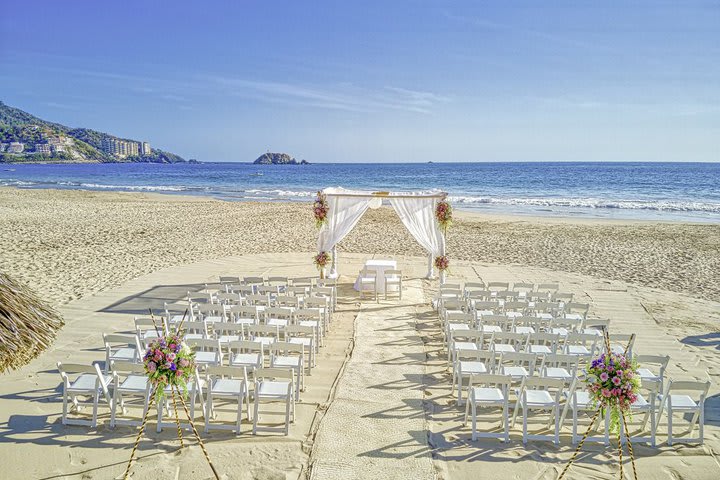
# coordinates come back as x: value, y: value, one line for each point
x: 506, y: 421
x: 670, y: 414
x: 287, y: 416
x: 255, y: 414
x: 96, y: 400
x: 65, y: 407
x: 208, y: 407
x: 239, y: 413
x: 474, y: 420
x: 525, y: 418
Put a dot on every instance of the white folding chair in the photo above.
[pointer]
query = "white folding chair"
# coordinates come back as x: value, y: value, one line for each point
x: 683, y: 402
x: 393, y: 278
x: 246, y: 353
x: 90, y: 382
x: 659, y: 361
x: 195, y: 389
x: 123, y: 348
x: 647, y: 403
x: 578, y: 401
x: 469, y: 362
x: 292, y: 356
x: 228, y: 384
x: 491, y: 391
x: 305, y: 336
x: 207, y: 350
x: 130, y: 381
x: 274, y: 385
x: 245, y: 314
x: 535, y: 394
x: 517, y: 365
x: 367, y: 282
x: 278, y: 316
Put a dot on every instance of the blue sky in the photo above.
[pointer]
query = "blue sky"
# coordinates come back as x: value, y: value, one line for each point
x: 389, y: 81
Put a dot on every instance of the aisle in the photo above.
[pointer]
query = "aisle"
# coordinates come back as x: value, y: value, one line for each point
x: 375, y: 426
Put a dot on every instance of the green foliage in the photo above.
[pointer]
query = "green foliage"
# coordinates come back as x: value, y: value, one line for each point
x: 19, y: 126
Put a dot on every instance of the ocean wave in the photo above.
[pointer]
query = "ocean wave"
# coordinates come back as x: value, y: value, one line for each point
x: 256, y: 193
x: 590, y: 203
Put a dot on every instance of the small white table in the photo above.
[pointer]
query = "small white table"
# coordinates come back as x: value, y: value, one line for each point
x: 379, y: 266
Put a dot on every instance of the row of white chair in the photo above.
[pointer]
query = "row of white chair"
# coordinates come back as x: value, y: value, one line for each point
x: 212, y: 385
x: 549, y: 394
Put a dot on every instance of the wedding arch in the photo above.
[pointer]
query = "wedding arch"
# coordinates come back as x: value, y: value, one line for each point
x: 417, y: 211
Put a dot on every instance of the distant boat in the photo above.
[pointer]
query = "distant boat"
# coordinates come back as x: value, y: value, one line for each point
x: 259, y: 174
x: 9, y: 169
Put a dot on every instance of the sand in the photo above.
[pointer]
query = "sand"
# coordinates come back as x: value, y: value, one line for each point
x: 100, y: 257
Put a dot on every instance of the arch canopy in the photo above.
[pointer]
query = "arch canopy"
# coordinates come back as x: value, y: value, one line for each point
x: 416, y: 210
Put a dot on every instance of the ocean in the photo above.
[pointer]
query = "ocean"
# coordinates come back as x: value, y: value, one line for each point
x: 649, y: 191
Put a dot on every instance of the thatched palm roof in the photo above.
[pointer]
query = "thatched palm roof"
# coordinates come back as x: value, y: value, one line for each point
x: 27, y: 325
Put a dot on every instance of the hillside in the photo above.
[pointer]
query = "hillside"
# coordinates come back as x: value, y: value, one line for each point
x: 25, y: 138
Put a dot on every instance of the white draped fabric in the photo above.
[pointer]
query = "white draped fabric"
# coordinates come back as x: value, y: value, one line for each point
x: 344, y: 213
x: 415, y: 209
x: 418, y: 216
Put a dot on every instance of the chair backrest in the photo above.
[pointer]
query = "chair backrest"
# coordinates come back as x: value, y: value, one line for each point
x: 284, y: 313
x: 287, y: 301
x: 316, y: 302
x: 297, y: 290
x: 490, y: 379
x: 480, y: 294
x: 204, y: 344
x: 393, y: 272
x: 279, y: 281
x: 576, y: 307
x: 544, y: 338
x: 195, y: 327
x: 303, y: 282
x: 225, y: 371
x: 308, y: 314
x: 115, y: 339
x: 286, y: 348
x: 522, y: 286
x: 268, y: 289
x: 506, y: 295
x: 597, y: 323
x: 258, y: 299
x: 229, y: 280
x: 548, y: 287
x: 516, y: 306
x: 368, y: 274
x: 300, y: 331
x: 493, y: 305
x: 497, y: 320
x: 253, y: 280
x: 155, y: 323
x: 460, y: 317
x: 689, y: 386
x: 228, y: 298
x: 660, y: 360
x: 498, y: 285
x: 263, y: 330
x: 519, y: 359
x: 240, y: 289
x: 544, y: 383
x: 569, y: 362
x: 562, y: 297
x: 120, y: 367
x: 274, y: 373
x: 227, y: 328
x: 245, y: 346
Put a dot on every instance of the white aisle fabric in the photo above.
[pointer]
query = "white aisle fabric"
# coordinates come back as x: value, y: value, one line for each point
x: 375, y: 426
x: 418, y: 216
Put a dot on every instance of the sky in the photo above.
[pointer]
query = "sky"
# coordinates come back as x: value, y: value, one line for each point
x: 385, y: 81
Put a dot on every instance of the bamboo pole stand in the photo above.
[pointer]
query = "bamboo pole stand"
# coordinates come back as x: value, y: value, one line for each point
x: 174, y: 390
x: 619, y: 436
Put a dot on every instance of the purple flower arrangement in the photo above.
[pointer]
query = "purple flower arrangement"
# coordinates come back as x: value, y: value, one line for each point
x: 322, y: 259
x: 613, y: 383
x: 442, y: 263
x: 169, y: 362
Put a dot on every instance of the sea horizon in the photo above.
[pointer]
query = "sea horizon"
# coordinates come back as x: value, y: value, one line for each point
x: 663, y: 191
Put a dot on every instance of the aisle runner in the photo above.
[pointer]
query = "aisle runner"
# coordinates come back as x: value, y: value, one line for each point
x: 375, y: 426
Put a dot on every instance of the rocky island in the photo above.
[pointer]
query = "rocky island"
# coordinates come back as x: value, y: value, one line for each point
x: 270, y: 158
x: 25, y: 138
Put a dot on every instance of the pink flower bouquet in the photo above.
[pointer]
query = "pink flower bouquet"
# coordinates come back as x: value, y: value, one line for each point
x: 322, y: 259
x: 613, y: 383
x: 442, y: 262
x: 320, y: 209
x: 169, y: 362
x: 443, y: 213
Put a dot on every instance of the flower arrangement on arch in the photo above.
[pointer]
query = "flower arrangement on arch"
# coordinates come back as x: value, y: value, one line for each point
x: 322, y: 259
x: 443, y: 214
x: 614, y: 383
x: 320, y: 209
x: 169, y: 361
x: 442, y: 263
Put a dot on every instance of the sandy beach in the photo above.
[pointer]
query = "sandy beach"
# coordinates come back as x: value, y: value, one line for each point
x: 99, y: 256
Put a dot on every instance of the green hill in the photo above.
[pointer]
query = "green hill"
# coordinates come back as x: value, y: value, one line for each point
x: 44, y: 141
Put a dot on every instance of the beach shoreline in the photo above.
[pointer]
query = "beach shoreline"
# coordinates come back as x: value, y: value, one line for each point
x: 70, y: 243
